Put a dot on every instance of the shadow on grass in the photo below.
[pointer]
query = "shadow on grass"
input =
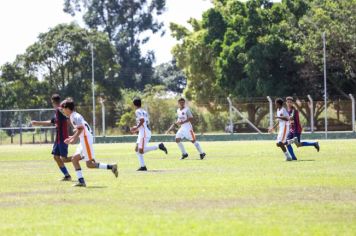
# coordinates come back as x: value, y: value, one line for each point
x: 306, y: 160
x: 96, y: 187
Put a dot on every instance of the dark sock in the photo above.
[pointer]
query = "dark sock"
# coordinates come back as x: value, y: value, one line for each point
x: 64, y: 171
x: 109, y: 166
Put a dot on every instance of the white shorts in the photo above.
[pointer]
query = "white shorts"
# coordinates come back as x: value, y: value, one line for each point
x: 282, y: 135
x: 143, y: 139
x: 186, y: 133
x: 85, y: 149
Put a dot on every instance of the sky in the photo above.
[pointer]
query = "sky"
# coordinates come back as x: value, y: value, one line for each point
x: 21, y: 21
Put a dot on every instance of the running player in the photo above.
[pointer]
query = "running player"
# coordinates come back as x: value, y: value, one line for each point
x: 185, y: 119
x: 84, y: 133
x: 60, y: 149
x: 144, y: 135
x: 295, y: 130
x: 283, y: 122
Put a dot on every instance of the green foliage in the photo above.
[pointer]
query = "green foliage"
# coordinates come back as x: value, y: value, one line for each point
x: 124, y: 22
x: 171, y: 77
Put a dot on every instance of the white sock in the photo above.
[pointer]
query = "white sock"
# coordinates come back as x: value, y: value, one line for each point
x: 287, y: 154
x: 181, y: 147
x: 151, y: 148
x: 79, y: 174
x: 197, y: 145
x: 140, y: 159
x: 103, y: 166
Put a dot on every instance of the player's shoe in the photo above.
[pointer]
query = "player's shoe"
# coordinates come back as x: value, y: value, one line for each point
x: 294, y: 159
x: 66, y: 178
x: 163, y: 148
x: 184, y: 156
x: 79, y: 185
x: 114, y: 170
x: 142, y: 168
x: 202, y: 155
x: 317, y: 147
x: 288, y: 157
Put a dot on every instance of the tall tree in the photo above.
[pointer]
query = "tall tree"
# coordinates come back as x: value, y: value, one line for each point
x: 127, y: 23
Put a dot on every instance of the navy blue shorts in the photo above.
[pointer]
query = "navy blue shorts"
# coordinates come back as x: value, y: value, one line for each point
x: 292, y: 135
x: 60, y: 149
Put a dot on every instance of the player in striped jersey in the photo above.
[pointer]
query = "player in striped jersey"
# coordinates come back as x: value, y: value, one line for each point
x: 295, y: 130
x: 184, y: 120
x: 144, y: 134
x: 283, y: 122
x: 85, y: 148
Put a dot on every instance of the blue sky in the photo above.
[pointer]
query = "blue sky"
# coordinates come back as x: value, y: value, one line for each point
x: 21, y: 21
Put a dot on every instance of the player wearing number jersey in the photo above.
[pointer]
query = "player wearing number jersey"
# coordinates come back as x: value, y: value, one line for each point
x: 85, y: 148
x: 184, y: 120
x: 283, y: 122
x: 144, y: 135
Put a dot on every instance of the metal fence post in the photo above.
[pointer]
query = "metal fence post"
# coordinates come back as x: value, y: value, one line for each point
x: 231, y: 126
x: 20, y: 118
x: 102, y: 116
x: 311, y: 107
x: 353, y: 112
x: 270, y: 111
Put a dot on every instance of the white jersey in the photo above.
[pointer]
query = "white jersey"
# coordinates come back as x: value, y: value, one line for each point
x: 77, y: 120
x: 183, y: 115
x: 142, y: 114
x: 282, y: 123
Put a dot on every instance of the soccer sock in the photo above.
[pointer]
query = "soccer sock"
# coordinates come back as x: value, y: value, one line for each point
x: 151, y: 148
x: 80, y: 175
x: 291, y: 152
x: 181, y: 147
x: 64, y: 171
x: 140, y: 159
x: 197, y: 145
x: 304, y: 144
x: 103, y: 166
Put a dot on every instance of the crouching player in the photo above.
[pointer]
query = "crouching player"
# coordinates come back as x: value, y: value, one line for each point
x: 83, y: 132
x: 144, y: 135
x: 283, y: 122
x: 185, y: 118
x: 295, y: 130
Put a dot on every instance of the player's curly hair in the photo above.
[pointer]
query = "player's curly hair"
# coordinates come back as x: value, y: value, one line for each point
x: 68, y: 103
x: 56, y: 98
x: 279, y: 101
x: 137, y: 102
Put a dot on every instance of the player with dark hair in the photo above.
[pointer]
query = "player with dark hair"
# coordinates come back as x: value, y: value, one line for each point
x: 85, y: 148
x: 60, y: 149
x: 295, y: 130
x: 185, y: 119
x: 144, y: 134
x: 283, y: 122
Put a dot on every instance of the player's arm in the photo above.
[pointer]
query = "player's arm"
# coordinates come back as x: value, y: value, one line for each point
x: 42, y: 123
x: 170, y: 128
x: 73, y: 139
x: 189, y: 118
x: 135, y: 128
x: 271, y: 129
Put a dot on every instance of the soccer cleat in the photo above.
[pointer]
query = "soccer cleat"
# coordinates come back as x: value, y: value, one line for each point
x: 114, y: 170
x: 66, y: 178
x: 202, y: 155
x: 163, y: 148
x: 142, y: 168
x: 317, y: 147
x: 184, y: 156
x: 294, y: 159
x: 288, y: 158
x: 79, y: 185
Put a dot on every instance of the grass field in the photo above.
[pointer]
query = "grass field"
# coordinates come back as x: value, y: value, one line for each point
x: 242, y: 188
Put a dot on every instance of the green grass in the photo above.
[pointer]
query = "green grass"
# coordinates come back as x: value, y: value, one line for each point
x: 242, y: 188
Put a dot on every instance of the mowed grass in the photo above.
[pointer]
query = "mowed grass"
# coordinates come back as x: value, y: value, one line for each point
x: 241, y: 188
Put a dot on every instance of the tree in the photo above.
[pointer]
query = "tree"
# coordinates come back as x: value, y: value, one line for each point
x: 171, y: 77
x: 125, y: 23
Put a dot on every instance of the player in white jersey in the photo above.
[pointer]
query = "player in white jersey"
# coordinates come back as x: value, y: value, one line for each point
x: 283, y: 122
x: 184, y: 120
x: 85, y: 148
x: 144, y: 135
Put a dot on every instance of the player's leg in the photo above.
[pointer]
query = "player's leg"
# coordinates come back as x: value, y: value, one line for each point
x: 140, y: 151
x: 99, y: 165
x: 193, y: 139
x: 153, y: 147
x: 179, y: 137
x: 78, y: 171
x: 56, y: 156
x: 310, y: 144
x: 289, y: 146
x: 281, y: 140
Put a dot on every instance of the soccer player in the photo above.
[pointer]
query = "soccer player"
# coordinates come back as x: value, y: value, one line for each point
x: 295, y: 130
x: 144, y: 135
x: 60, y: 149
x: 85, y: 149
x: 184, y: 120
x: 283, y: 122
